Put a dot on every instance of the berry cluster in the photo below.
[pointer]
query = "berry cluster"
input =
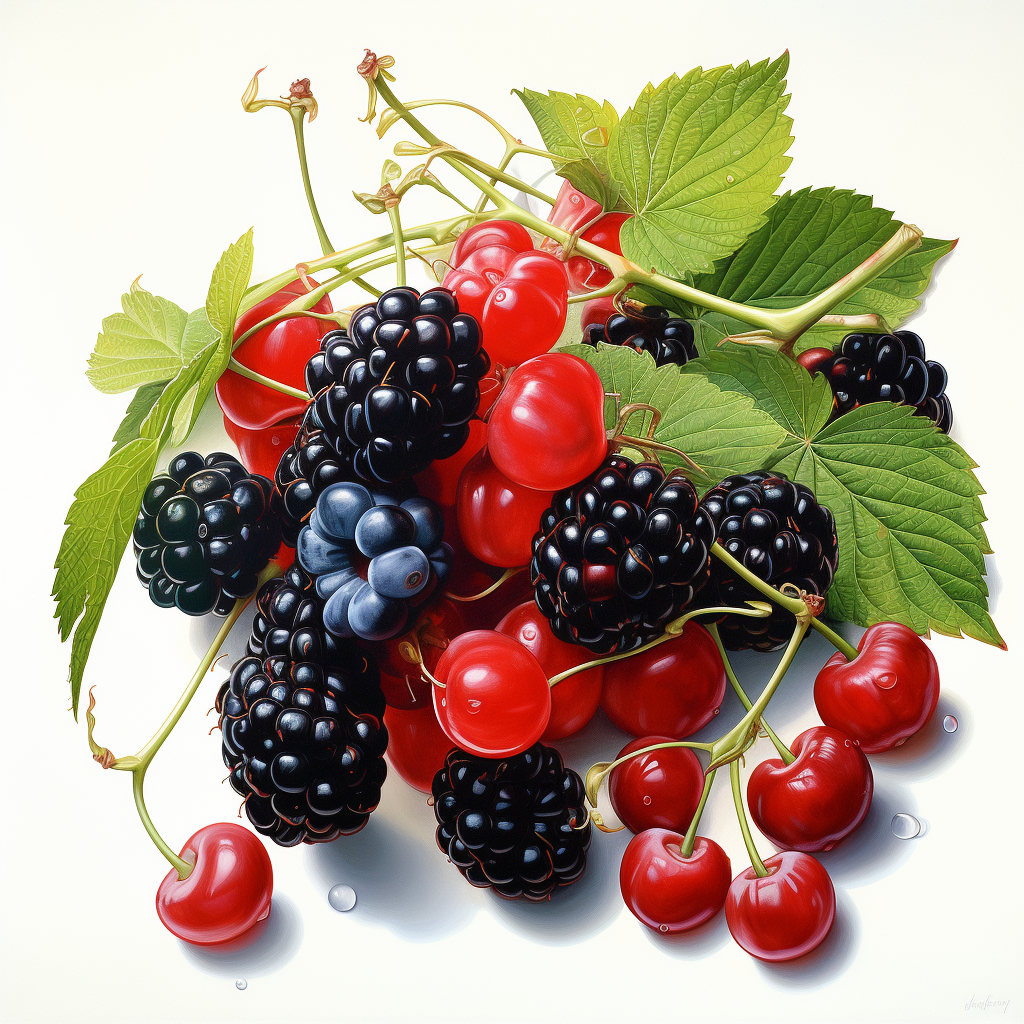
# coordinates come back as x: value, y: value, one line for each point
x: 650, y: 329
x: 517, y: 825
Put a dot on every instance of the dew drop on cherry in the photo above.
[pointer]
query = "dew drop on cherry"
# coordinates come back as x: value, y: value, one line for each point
x: 662, y: 928
x: 886, y: 680
x: 342, y: 897
x: 905, y: 826
x: 241, y: 984
x: 950, y: 724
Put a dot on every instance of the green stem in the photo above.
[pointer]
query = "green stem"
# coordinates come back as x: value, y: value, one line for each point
x: 243, y: 371
x: 298, y: 119
x: 183, y: 868
x: 835, y: 639
x: 396, y: 230
x: 691, y: 833
x: 741, y: 814
x: 791, y: 604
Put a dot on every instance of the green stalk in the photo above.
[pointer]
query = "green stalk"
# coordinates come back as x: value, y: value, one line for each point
x: 298, y: 114
x: 691, y: 833
x: 275, y: 385
x: 748, y: 840
x: 396, y: 230
x: 836, y: 640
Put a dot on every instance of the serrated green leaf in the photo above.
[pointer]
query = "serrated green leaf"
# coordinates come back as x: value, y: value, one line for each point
x: 699, y: 159
x: 199, y: 332
x: 230, y: 279
x: 579, y: 128
x: 721, y: 431
x: 138, y: 409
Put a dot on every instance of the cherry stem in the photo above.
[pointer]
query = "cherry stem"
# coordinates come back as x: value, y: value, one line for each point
x: 791, y: 604
x: 741, y: 815
x: 298, y: 114
x: 396, y: 230
x: 691, y: 833
x: 243, y: 371
x: 847, y: 649
x: 502, y: 579
x: 784, y: 752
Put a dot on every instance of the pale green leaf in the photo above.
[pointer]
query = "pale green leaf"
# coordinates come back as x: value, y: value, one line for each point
x: 230, y: 279
x: 138, y: 409
x: 199, y: 332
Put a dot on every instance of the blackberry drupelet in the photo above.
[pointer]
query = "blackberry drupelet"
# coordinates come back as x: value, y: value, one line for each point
x: 888, y: 368
x: 619, y: 555
x: 302, y: 721
x: 517, y: 825
x: 204, y: 533
x: 651, y: 329
x: 777, y: 529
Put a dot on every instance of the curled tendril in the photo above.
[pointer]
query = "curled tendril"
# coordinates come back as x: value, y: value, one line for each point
x: 370, y: 67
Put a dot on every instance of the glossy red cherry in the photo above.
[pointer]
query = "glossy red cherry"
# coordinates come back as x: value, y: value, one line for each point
x: 547, y: 431
x: 673, y: 689
x: 812, y: 358
x: 656, y: 790
x: 817, y: 800
x: 571, y: 211
x: 492, y: 232
x: 477, y: 276
x: 487, y: 612
x: 497, y: 518
x: 886, y: 694
x: 597, y: 311
x: 227, y: 891
x: 787, y: 913
x: 574, y: 700
x: 440, y: 480
x: 586, y: 275
x: 417, y: 745
x: 280, y: 351
x: 260, y: 450
x: 667, y: 891
x: 496, y: 701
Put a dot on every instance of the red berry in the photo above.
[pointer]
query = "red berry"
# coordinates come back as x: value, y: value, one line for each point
x: 812, y: 359
x: 476, y: 277
x: 586, y: 275
x: 497, y: 518
x: 785, y: 914
x: 487, y: 612
x: 547, y: 431
x: 492, y: 232
x: 575, y: 699
x: 440, y: 480
x: 656, y: 790
x: 227, y: 891
x: 417, y: 745
x: 260, y: 450
x: 670, y: 892
x: 817, y: 800
x: 496, y: 701
x: 886, y: 694
x: 597, y: 311
x: 673, y: 689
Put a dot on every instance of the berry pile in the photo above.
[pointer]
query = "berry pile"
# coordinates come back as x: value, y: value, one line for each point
x: 517, y: 825
x: 619, y: 555
x: 651, y: 329
x: 204, y: 533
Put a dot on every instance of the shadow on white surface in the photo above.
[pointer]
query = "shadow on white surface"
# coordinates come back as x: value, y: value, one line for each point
x: 265, y: 949
x: 697, y: 944
x: 204, y: 628
x: 933, y: 749
x: 994, y: 579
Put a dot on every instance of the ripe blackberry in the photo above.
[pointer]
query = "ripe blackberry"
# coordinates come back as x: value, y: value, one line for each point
x: 650, y: 329
x: 777, y: 529
x: 888, y: 368
x: 302, y: 721
x: 518, y: 825
x: 619, y: 555
x: 204, y: 533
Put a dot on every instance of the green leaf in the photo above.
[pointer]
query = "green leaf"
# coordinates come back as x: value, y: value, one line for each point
x: 699, y: 159
x: 230, y: 279
x: 579, y: 128
x: 138, y: 409
x: 810, y: 241
x: 199, y: 332
x: 721, y: 431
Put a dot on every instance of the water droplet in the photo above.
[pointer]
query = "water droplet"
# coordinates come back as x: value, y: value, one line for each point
x: 574, y: 199
x: 529, y: 633
x: 905, y: 826
x: 735, y: 152
x: 717, y: 710
x: 886, y: 681
x: 662, y: 928
x: 847, y: 742
x: 430, y: 801
x: 241, y: 984
x: 950, y: 724
x: 499, y: 295
x: 342, y: 897
x: 729, y: 178
x: 444, y: 702
x: 647, y: 801
x: 275, y: 440
x: 473, y: 706
x: 579, y: 110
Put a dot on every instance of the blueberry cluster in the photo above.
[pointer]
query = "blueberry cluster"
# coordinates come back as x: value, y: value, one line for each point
x: 204, y: 533
x: 517, y: 825
x: 650, y: 329
x: 619, y: 555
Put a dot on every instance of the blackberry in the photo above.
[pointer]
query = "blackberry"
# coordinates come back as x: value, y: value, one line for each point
x: 518, y: 825
x: 888, y: 368
x: 302, y: 721
x: 650, y: 329
x: 619, y: 555
x: 777, y: 529
x: 204, y: 533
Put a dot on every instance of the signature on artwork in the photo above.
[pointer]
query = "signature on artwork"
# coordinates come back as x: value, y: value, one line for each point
x: 988, y: 1003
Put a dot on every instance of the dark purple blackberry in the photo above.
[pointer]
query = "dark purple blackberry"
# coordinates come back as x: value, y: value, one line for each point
x: 649, y: 329
x: 619, y: 555
x: 777, y: 529
x: 302, y: 721
x: 204, y: 533
x: 518, y: 826
x: 888, y: 368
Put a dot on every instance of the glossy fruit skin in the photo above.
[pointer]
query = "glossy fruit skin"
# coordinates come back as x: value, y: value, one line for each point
x: 575, y: 699
x: 487, y: 612
x: 886, y: 694
x: 666, y: 338
x: 656, y: 790
x: 597, y: 311
x: 668, y: 892
x: 672, y: 690
x: 227, y: 892
x: 417, y: 745
x: 260, y: 450
x: 440, y: 480
x: 813, y: 359
x: 785, y: 914
x: 279, y: 351
x: 552, y: 396
x: 816, y: 801
x: 496, y: 702
x: 506, y: 233
x: 586, y: 275
x: 497, y: 518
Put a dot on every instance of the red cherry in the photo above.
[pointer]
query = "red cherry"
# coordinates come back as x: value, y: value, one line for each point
x: 575, y: 699
x: 586, y: 275
x: 496, y: 701
x: 417, y: 745
x: 670, y: 892
x: 656, y: 790
x: 673, y: 689
x: 812, y: 359
x: 597, y: 311
x: 487, y: 612
x: 440, y: 480
x: 227, y: 891
x: 477, y: 276
x: 547, y: 431
x: 785, y: 914
x: 886, y: 694
x: 492, y: 232
x: 261, y: 450
x: 817, y: 800
x: 571, y: 211
x: 279, y: 351
x: 497, y: 518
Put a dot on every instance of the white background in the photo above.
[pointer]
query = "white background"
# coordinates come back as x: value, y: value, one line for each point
x: 125, y: 151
